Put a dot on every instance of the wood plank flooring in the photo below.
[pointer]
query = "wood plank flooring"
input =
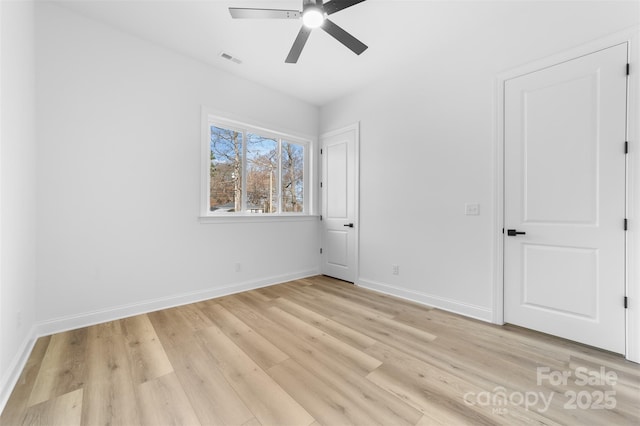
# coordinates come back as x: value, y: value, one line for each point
x: 318, y: 351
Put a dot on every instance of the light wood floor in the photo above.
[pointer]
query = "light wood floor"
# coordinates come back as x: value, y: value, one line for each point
x: 317, y: 351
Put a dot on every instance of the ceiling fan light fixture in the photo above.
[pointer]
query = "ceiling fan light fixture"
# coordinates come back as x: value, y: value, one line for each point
x: 312, y: 17
x: 314, y: 14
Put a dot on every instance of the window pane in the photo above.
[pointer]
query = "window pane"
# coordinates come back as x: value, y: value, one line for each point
x: 262, y: 169
x: 225, y: 189
x: 292, y: 177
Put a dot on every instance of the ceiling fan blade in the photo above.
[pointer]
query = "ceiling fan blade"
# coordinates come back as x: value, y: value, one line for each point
x: 248, y: 13
x: 344, y: 37
x: 296, y: 49
x: 337, y: 5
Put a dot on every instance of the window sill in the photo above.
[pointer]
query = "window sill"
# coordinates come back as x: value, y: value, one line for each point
x: 257, y: 218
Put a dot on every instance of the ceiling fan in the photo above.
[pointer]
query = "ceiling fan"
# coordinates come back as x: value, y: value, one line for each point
x: 314, y: 15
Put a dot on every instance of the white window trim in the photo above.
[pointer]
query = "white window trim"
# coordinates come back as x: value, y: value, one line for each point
x: 211, y: 117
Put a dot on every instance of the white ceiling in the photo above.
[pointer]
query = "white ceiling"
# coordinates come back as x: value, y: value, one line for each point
x: 398, y: 34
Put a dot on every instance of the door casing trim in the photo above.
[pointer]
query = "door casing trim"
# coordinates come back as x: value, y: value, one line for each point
x: 630, y: 36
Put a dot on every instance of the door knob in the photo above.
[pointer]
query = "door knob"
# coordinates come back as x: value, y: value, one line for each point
x: 350, y: 225
x: 513, y: 232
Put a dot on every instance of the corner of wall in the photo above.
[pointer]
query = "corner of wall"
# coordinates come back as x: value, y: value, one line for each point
x: 12, y: 374
x: 17, y: 191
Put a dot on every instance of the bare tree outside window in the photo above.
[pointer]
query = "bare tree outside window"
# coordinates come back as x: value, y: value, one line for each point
x: 225, y: 189
x: 252, y: 173
x: 262, y: 168
x: 292, y: 177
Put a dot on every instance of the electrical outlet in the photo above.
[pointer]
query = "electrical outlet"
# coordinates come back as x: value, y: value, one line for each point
x: 238, y: 267
x: 19, y: 319
x: 395, y: 269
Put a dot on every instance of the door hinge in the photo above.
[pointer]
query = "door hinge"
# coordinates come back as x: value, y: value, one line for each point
x: 321, y: 151
x: 626, y: 224
x: 320, y: 184
x: 320, y: 218
x: 626, y: 147
x: 626, y: 302
x: 628, y: 69
x: 320, y: 251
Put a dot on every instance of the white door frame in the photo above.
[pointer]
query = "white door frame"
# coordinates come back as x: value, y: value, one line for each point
x: 356, y: 196
x: 632, y: 37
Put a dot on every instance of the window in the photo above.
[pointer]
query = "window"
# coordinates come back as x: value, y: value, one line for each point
x: 250, y: 170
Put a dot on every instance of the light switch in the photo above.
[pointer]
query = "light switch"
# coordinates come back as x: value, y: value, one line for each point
x: 472, y: 209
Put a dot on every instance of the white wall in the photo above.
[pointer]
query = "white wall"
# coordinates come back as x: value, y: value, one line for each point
x: 119, y: 178
x: 427, y: 145
x: 17, y: 190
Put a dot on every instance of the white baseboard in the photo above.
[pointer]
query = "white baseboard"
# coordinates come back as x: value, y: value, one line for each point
x: 12, y: 374
x: 457, y: 307
x: 86, y: 319
x: 71, y: 322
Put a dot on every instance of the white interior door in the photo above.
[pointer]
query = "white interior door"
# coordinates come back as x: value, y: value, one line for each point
x: 565, y: 191
x: 339, y: 197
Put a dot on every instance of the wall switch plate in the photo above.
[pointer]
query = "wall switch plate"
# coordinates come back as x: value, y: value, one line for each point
x: 472, y: 209
x: 395, y: 269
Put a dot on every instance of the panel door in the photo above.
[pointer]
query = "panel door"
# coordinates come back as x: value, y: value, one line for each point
x: 565, y: 191
x: 338, y: 204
